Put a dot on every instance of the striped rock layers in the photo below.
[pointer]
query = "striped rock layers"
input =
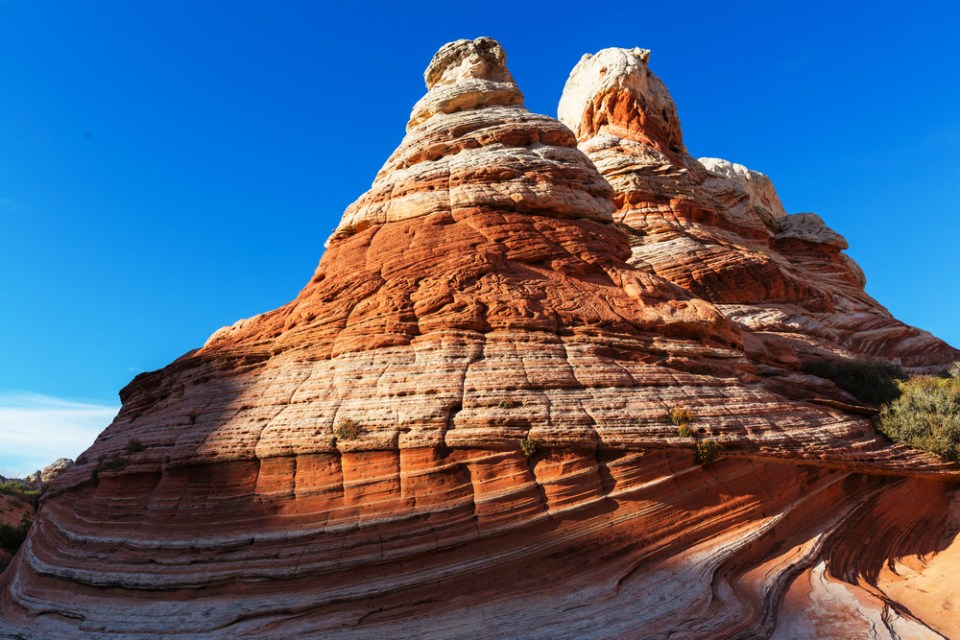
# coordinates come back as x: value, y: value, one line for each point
x: 718, y: 229
x: 350, y: 465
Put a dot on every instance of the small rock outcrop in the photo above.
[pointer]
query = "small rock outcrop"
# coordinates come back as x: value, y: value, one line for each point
x: 55, y: 468
x: 494, y: 407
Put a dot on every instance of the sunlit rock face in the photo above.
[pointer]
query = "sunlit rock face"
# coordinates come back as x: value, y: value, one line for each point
x: 718, y: 229
x: 350, y: 465
x: 471, y: 145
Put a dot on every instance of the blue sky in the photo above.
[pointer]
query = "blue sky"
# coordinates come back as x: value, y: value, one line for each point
x: 167, y: 168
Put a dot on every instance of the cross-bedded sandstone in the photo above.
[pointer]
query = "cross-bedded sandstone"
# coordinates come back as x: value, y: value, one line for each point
x: 349, y: 465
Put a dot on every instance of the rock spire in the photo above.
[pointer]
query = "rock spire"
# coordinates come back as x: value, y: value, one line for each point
x: 719, y: 230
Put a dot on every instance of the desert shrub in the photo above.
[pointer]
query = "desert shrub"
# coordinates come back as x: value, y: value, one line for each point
x: 114, y: 463
x: 347, y: 429
x: 707, y: 451
x: 15, y: 488
x: 680, y: 416
x: 682, y: 419
x: 508, y: 404
x: 870, y: 380
x: 12, y: 537
x: 135, y: 446
x: 925, y: 416
x: 528, y: 446
x: 954, y: 370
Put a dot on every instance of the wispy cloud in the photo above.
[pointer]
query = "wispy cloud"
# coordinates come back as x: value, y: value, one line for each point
x: 36, y: 429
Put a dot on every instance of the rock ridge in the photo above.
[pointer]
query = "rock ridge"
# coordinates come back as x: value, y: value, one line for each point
x: 719, y: 230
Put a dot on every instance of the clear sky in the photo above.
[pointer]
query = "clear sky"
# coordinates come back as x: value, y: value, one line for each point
x: 167, y: 168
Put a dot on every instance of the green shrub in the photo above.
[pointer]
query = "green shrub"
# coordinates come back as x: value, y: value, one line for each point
x: 508, y: 404
x: 680, y: 417
x: 347, y: 429
x: 134, y: 446
x: 707, y: 451
x: 528, y: 446
x: 15, y: 488
x: 926, y: 416
x: 870, y: 380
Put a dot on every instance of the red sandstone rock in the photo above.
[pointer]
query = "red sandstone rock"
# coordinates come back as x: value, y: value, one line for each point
x: 718, y: 229
x: 349, y: 465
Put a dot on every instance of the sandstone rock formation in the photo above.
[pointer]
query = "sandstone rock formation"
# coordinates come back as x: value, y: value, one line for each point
x: 349, y: 465
x: 55, y: 468
x: 718, y: 229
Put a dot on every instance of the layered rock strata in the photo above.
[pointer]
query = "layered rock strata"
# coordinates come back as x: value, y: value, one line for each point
x: 718, y: 229
x: 350, y: 464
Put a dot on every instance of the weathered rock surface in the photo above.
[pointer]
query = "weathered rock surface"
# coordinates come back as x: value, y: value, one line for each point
x: 349, y: 465
x: 718, y: 229
x: 55, y: 468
